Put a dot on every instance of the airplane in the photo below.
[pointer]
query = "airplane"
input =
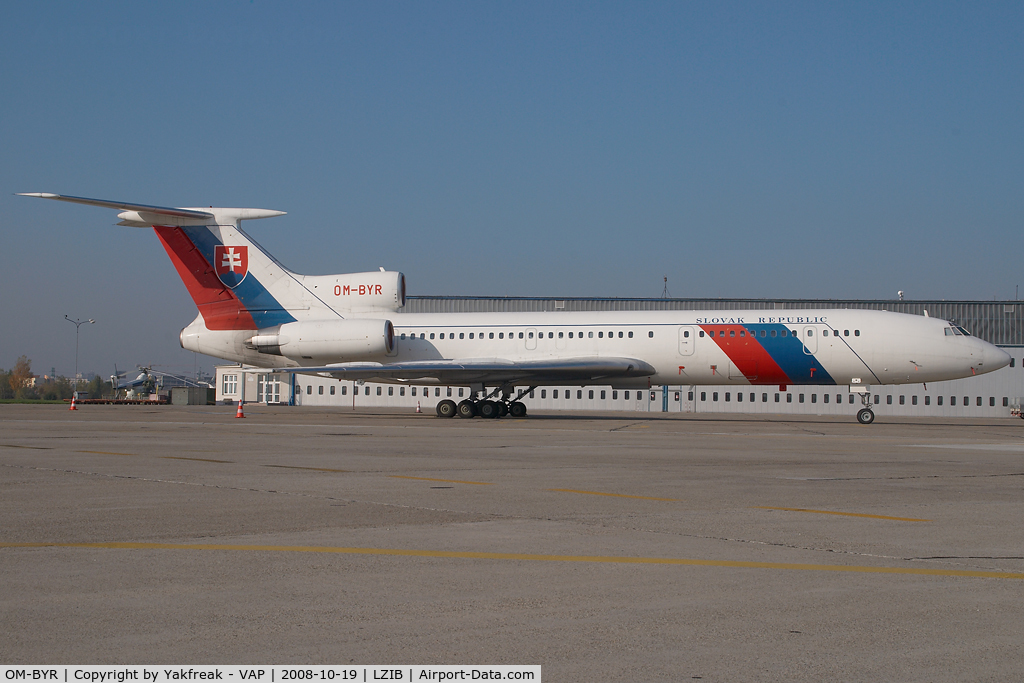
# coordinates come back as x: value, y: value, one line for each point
x: 254, y: 311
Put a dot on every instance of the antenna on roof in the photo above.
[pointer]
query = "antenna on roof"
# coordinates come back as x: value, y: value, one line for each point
x: 664, y: 291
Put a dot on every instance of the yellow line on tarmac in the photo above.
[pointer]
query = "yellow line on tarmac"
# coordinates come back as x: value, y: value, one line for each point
x: 316, y: 469
x: 450, y: 481
x: 615, y: 495
x: 845, y: 514
x: 914, y: 571
x: 177, y: 457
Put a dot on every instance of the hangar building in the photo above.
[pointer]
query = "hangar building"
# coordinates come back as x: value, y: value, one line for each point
x: 996, y: 394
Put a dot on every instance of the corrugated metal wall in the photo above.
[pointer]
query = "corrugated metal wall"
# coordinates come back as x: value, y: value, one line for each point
x: 998, y: 322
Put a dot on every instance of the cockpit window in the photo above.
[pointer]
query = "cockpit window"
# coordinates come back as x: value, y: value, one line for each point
x: 963, y: 331
x: 949, y: 332
x: 957, y: 331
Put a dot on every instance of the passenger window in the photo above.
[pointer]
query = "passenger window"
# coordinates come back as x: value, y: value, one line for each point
x: 689, y: 396
x: 824, y: 333
x: 431, y: 335
x: 814, y: 398
x: 559, y: 335
x: 620, y: 335
x: 570, y: 335
x: 490, y: 335
x: 762, y: 333
x: 332, y: 390
x: 413, y: 391
x: 785, y: 333
x: 979, y: 401
x: 743, y: 333
x: 686, y: 334
x: 701, y: 333
x: 470, y: 335
x: 590, y: 335
x: 402, y: 336
x: 810, y: 333
x: 391, y: 391
x: 501, y: 335
x: 580, y: 335
x: 600, y: 335
x: 551, y: 335
x: 462, y: 335
x: 521, y: 335
x: 531, y: 335
x: 309, y: 389
x: 856, y: 333
x: 721, y: 333
x: 952, y: 400
x: 774, y: 333
x: 650, y: 334
x: 630, y: 334
x: 846, y: 333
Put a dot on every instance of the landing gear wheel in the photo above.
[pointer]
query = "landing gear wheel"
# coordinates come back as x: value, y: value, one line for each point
x: 517, y: 409
x: 487, y: 409
x: 865, y: 416
x: 502, y: 409
x: 466, y: 409
x: 446, y: 408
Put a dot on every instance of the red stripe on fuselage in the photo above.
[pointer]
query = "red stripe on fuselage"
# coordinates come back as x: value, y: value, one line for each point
x: 218, y: 305
x: 747, y: 354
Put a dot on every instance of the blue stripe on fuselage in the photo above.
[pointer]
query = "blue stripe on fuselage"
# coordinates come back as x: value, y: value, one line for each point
x: 788, y: 352
x: 265, y: 310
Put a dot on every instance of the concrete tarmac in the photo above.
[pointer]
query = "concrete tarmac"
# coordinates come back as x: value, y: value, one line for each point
x: 639, y: 547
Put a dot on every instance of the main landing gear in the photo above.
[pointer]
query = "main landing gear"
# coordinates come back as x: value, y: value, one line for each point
x: 486, y: 407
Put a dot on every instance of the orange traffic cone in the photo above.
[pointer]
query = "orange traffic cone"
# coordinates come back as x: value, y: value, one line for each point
x: 73, y: 407
x: 418, y: 407
x: 239, y: 413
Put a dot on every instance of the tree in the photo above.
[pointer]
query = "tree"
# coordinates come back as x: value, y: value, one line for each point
x: 21, y: 374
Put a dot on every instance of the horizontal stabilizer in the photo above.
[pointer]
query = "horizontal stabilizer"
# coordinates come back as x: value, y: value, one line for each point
x: 145, y: 215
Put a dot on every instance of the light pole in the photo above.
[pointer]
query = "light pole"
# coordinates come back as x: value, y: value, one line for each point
x: 78, y: 324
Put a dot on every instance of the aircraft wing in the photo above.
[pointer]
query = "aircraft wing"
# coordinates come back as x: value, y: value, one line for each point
x: 487, y: 370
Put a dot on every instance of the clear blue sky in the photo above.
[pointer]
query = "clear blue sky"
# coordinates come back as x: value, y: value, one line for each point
x: 842, y: 150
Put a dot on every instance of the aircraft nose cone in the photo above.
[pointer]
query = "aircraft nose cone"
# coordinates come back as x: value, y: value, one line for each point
x: 995, y: 358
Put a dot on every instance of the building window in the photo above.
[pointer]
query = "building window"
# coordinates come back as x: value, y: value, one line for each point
x: 903, y: 400
x: 967, y: 401
x: 320, y: 390
x: 332, y: 390
x: 531, y: 394
x: 615, y: 395
x: 1012, y: 362
x: 391, y: 391
x: 789, y: 398
x: 689, y: 396
x: 602, y: 394
x: 1006, y: 401
x: 824, y: 398
x: 460, y: 392
x: 939, y: 400
x: 703, y: 395
x: 991, y: 401
x: 591, y: 394
x: 739, y: 396
x: 414, y: 391
x: 801, y: 398
x: 776, y: 397
x: 677, y: 397
x: 309, y: 389
x: 554, y: 393
x: 888, y: 400
x: 714, y: 395
x: 979, y: 401
x: 764, y: 398
x: 913, y: 400
x: 579, y: 393
x: 449, y: 392
x: 878, y: 399
x: 379, y: 390
x: 625, y: 395
x: 952, y: 400
x: 401, y: 390
x: 229, y: 384
x: 344, y: 389
x: 543, y: 393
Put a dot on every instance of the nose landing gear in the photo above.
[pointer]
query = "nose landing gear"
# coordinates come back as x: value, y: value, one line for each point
x: 865, y: 416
